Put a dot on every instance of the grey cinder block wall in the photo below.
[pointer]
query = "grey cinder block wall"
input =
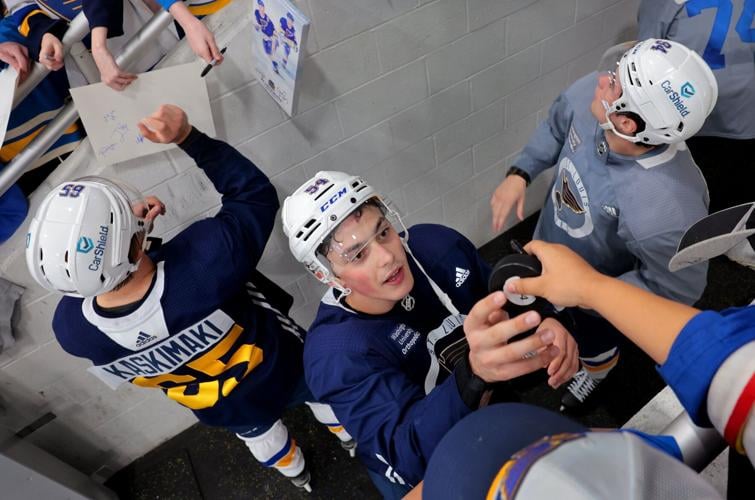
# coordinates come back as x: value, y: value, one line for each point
x: 428, y: 100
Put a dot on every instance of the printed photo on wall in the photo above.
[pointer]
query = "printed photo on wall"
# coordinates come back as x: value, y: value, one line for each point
x: 280, y: 30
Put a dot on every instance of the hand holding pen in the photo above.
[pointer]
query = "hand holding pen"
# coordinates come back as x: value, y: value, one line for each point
x: 213, y: 63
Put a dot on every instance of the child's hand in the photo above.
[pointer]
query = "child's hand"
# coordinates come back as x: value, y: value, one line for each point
x: 17, y: 57
x: 51, y: 52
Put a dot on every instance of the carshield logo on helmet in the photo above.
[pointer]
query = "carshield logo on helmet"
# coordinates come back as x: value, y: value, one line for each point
x: 675, y: 98
x: 99, y: 250
x: 84, y: 245
x: 687, y: 90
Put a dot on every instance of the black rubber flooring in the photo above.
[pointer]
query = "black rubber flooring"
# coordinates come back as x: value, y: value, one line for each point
x: 209, y: 463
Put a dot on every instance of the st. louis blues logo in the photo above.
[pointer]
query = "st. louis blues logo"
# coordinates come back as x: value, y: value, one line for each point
x: 84, y: 245
x: 569, y: 191
x: 687, y: 90
x: 565, y: 196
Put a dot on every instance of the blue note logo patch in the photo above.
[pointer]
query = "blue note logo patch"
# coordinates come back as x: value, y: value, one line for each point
x: 571, y: 204
x: 565, y: 197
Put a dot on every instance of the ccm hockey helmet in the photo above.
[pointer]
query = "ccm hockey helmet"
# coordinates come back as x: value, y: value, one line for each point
x: 314, y: 211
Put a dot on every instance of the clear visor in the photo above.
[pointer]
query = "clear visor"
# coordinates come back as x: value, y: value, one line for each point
x: 373, y: 222
x: 612, y: 57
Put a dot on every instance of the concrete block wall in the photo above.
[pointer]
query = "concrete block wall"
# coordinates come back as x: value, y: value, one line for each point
x: 429, y: 100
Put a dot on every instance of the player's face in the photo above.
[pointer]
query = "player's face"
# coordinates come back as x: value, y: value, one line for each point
x: 367, y: 256
x: 607, y: 90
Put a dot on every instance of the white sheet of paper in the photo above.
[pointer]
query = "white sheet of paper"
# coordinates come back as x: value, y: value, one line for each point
x: 110, y: 117
x: 8, y: 78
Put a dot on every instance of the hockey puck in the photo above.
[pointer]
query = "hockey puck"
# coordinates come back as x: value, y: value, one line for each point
x: 513, y: 267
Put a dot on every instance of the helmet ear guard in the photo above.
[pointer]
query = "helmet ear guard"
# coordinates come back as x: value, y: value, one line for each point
x: 667, y: 85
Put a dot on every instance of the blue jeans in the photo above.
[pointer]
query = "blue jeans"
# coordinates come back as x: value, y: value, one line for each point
x: 389, y: 490
x: 300, y: 394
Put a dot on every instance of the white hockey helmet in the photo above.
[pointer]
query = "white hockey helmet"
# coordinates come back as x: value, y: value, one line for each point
x: 316, y: 209
x: 79, y: 240
x: 669, y: 86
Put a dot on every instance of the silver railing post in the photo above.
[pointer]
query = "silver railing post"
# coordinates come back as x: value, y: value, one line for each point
x: 699, y: 445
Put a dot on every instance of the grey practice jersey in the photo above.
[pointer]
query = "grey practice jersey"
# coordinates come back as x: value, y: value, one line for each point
x: 624, y: 215
x: 723, y: 33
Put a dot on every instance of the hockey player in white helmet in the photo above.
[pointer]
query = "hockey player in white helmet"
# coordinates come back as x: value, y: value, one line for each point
x: 388, y: 349
x: 194, y: 317
x: 625, y: 186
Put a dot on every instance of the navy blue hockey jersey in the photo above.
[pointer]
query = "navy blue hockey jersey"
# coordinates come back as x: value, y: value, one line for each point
x: 211, y: 332
x: 384, y: 375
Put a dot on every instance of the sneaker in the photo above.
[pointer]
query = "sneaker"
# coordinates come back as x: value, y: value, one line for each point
x: 350, y: 446
x: 302, y: 480
x: 581, y: 386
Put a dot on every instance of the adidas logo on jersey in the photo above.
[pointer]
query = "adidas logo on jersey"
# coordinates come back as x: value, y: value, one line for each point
x: 461, y: 276
x: 610, y: 210
x: 143, y: 339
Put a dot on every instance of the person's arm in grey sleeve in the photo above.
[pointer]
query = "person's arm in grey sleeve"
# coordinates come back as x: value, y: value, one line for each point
x: 544, y: 147
x: 655, y: 17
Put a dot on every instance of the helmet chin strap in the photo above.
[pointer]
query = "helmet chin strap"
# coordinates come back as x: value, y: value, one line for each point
x: 345, y: 291
x: 148, y: 226
x: 608, y: 125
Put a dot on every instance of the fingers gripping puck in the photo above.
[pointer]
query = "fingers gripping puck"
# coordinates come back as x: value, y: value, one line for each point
x: 512, y: 267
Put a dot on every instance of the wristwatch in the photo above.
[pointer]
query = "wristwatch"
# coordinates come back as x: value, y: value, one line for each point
x: 521, y: 173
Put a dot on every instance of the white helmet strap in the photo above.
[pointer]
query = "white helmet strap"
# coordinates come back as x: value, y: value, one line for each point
x: 442, y: 296
x: 608, y: 125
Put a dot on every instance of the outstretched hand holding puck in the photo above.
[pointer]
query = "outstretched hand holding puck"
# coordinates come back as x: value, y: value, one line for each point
x: 511, y: 268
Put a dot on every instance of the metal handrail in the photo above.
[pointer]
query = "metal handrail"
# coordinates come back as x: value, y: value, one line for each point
x: 68, y: 114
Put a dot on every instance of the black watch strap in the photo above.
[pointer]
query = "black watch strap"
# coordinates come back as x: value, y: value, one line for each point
x: 521, y: 173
